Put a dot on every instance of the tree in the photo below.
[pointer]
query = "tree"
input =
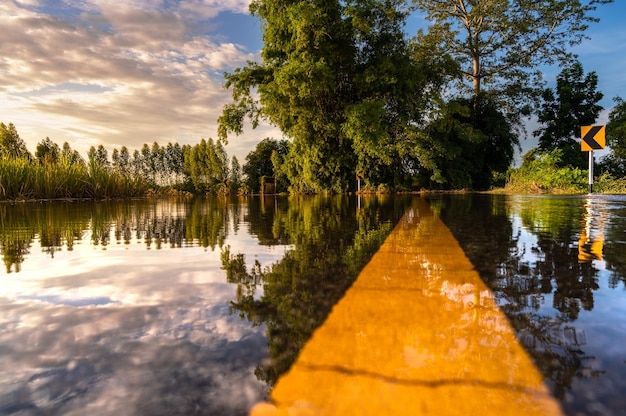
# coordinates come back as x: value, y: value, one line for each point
x: 616, y: 129
x: 259, y: 161
x: 122, y: 163
x: 235, y: 175
x: 137, y: 163
x: 98, y: 157
x: 47, y: 151
x: 146, y: 168
x: 11, y: 144
x: 468, y: 146
x: 326, y: 65
x: 206, y: 163
x: 499, y: 44
x: 156, y: 163
x: 70, y: 157
x: 615, y: 162
x: 174, y: 161
x: 572, y: 104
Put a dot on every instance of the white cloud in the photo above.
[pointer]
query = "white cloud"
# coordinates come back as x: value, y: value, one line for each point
x: 115, y: 73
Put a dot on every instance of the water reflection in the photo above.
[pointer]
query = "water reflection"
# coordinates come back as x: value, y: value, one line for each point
x: 592, y: 234
x: 332, y: 239
x: 170, y: 307
x: 554, y: 264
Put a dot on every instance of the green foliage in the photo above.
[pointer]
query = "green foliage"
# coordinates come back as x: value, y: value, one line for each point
x: 331, y: 241
x: 608, y: 184
x: 543, y: 171
x: 207, y: 166
x: 615, y: 162
x: 11, y: 144
x: 260, y: 162
x: 339, y: 79
x: 467, y: 145
x: 48, y: 151
x: 21, y: 179
x: 63, y: 173
x: 499, y: 44
x: 572, y: 104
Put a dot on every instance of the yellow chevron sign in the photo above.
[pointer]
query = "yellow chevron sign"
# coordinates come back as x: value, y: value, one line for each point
x: 593, y: 138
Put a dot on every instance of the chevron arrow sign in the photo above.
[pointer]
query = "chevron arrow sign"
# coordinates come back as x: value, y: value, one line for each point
x: 593, y: 138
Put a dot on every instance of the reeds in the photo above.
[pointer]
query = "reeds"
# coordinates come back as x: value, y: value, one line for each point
x: 23, y: 179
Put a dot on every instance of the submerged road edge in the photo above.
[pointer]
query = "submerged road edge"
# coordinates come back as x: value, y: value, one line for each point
x: 418, y: 333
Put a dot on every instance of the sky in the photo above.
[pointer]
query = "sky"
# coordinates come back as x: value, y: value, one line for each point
x: 125, y: 73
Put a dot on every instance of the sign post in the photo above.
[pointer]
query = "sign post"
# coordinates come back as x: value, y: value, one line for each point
x: 592, y: 138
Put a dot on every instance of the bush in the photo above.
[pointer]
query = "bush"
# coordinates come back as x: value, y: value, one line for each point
x: 607, y: 184
x: 544, y: 172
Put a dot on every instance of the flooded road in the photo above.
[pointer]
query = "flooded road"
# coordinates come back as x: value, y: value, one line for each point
x: 557, y: 266
x: 199, y: 306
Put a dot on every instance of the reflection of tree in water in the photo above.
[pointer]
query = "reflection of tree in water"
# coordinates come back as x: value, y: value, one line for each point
x: 14, y: 248
x: 614, y: 249
x: 21, y: 223
x: 156, y: 223
x: 482, y: 226
x: 331, y: 243
x: 556, y: 347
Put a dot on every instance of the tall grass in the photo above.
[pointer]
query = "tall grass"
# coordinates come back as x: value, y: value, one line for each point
x: 23, y: 179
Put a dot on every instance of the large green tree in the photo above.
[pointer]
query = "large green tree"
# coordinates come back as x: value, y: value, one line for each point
x: 500, y: 44
x: 571, y: 104
x: 338, y: 80
x: 467, y: 146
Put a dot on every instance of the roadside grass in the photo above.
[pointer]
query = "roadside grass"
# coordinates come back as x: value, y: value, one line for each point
x: 544, y: 173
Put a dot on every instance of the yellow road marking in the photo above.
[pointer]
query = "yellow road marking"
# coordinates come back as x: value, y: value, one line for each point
x: 417, y: 333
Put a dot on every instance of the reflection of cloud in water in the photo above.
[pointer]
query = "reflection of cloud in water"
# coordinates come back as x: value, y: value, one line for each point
x: 154, y: 337
x: 137, y: 360
x: 59, y: 300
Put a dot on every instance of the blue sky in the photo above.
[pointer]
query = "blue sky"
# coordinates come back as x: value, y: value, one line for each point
x: 129, y: 72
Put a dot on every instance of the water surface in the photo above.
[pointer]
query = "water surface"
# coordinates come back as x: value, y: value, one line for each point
x: 198, y: 306
x: 557, y: 266
x: 170, y: 307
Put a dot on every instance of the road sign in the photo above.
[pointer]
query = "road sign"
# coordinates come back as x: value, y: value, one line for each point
x: 593, y: 138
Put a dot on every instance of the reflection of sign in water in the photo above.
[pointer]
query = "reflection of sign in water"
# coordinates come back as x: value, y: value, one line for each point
x: 592, y: 235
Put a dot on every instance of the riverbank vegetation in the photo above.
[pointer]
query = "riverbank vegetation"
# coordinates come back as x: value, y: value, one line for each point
x: 55, y: 172
x: 361, y: 103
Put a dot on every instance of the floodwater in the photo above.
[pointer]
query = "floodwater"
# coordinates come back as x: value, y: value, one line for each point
x: 199, y: 306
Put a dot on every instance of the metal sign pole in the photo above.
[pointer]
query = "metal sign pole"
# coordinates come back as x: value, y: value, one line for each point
x: 591, y: 171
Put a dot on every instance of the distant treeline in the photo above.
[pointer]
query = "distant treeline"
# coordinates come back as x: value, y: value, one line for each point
x: 61, y: 172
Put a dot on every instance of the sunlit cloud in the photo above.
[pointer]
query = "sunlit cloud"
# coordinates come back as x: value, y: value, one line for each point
x: 116, y: 73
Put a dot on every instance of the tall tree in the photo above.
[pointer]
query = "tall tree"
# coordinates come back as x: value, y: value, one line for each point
x: 235, y: 175
x: 123, y: 161
x: 11, y: 144
x: 98, y: 157
x: 70, y: 156
x: 326, y: 65
x: 499, y: 44
x: 573, y: 103
x: 615, y: 162
x: 616, y: 129
x: 47, y: 151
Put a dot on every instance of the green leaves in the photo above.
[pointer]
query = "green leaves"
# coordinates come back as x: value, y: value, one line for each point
x: 499, y: 43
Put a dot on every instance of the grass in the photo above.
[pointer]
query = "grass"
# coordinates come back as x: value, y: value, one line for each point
x: 22, y: 179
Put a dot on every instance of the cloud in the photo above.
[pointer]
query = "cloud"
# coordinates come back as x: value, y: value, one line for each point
x: 113, y: 73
